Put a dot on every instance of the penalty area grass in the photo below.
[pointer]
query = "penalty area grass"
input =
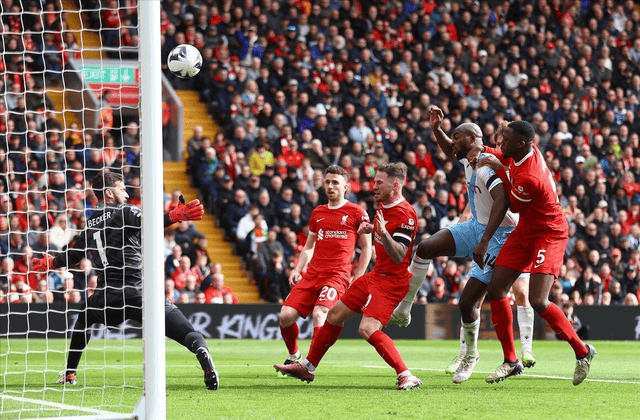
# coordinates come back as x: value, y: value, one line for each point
x: 352, y: 382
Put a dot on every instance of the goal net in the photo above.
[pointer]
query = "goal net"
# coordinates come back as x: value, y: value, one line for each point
x: 70, y: 111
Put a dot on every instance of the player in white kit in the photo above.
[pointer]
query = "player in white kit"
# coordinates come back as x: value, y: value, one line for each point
x: 482, y: 237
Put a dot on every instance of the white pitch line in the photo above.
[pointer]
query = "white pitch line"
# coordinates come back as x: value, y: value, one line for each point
x: 610, y: 381
x: 67, y: 406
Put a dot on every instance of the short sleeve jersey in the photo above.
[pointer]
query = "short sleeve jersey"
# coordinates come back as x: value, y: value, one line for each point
x: 402, y: 224
x: 480, y: 182
x: 533, y: 194
x: 336, y: 230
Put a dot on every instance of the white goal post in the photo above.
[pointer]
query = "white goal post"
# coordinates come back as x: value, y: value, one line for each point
x: 31, y: 357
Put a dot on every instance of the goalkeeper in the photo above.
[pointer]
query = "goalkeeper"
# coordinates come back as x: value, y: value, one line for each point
x: 113, y: 241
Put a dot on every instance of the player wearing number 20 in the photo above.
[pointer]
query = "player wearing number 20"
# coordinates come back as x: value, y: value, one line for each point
x: 538, y: 242
x: 112, y: 239
x: 327, y: 255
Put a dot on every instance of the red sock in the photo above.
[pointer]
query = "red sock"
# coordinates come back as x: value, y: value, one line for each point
x: 290, y: 336
x: 325, y: 338
x: 502, y: 319
x: 316, y: 330
x: 561, y: 325
x: 387, y: 349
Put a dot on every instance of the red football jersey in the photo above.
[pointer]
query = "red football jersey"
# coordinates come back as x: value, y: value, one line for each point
x: 336, y: 232
x: 533, y: 194
x: 402, y: 224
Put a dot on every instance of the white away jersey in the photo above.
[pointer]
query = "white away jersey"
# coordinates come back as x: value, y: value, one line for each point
x: 480, y: 182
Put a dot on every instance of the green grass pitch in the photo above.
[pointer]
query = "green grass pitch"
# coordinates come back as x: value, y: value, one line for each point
x: 352, y: 382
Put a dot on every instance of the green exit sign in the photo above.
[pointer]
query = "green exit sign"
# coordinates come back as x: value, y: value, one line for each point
x: 97, y: 74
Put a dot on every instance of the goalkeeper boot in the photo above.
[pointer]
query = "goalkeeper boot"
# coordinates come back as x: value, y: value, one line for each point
x: 465, y: 369
x: 455, y: 364
x: 210, y: 372
x: 528, y: 360
x: 583, y: 365
x: 293, y: 358
x: 69, y: 379
x: 505, y: 370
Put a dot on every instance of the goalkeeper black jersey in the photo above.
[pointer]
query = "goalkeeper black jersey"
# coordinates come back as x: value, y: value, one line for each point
x: 112, y: 240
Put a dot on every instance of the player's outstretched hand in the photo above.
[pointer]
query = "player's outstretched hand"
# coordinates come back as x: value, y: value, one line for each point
x: 491, y: 161
x: 381, y: 223
x: 43, y: 264
x: 192, y: 210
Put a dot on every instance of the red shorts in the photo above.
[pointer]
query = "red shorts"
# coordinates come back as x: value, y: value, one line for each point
x: 536, y: 254
x: 309, y: 293
x: 377, y: 295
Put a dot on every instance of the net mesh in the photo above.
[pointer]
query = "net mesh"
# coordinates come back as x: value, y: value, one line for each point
x: 68, y: 113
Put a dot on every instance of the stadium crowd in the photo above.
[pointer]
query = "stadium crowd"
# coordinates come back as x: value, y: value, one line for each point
x: 299, y: 85
x: 45, y: 169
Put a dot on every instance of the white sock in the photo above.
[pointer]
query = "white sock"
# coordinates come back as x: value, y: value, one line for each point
x: 471, y: 336
x: 311, y: 368
x: 525, y: 324
x: 294, y: 356
x: 463, y: 342
x: 418, y: 269
x: 405, y: 373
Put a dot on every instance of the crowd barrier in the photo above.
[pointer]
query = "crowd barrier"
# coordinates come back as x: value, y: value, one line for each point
x: 434, y: 322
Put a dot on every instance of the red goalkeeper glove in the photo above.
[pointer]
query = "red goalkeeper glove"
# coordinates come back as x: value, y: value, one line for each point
x: 43, y: 264
x: 192, y: 210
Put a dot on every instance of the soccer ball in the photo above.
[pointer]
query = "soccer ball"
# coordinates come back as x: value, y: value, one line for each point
x: 184, y: 61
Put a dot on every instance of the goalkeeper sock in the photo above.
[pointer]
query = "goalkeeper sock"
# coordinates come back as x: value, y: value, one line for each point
x: 418, y: 270
x: 193, y: 341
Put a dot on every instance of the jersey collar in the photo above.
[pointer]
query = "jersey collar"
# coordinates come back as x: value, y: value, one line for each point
x: 338, y: 206
x: 524, y: 158
x: 395, y: 203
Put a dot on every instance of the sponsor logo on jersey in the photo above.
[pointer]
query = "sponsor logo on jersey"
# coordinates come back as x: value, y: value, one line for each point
x: 318, y: 220
x: 336, y: 234
x: 411, y: 222
x: 410, y: 226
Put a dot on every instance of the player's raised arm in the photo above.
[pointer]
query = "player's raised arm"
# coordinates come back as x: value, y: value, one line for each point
x: 446, y: 144
x: 303, y: 260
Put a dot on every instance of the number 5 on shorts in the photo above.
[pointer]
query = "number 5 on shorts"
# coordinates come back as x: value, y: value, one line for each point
x: 540, y: 258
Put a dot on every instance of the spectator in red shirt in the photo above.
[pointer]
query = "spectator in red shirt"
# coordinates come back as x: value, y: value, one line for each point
x: 179, y: 276
x: 218, y: 292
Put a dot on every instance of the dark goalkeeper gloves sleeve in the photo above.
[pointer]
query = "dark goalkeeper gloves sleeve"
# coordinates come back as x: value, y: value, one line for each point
x: 43, y: 264
x: 192, y: 210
